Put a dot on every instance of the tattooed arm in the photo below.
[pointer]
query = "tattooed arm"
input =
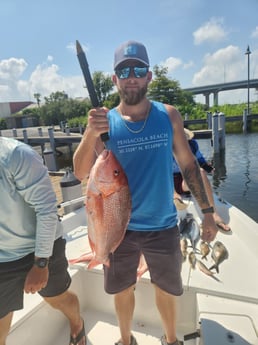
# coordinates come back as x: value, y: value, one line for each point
x: 190, y: 170
x: 194, y: 182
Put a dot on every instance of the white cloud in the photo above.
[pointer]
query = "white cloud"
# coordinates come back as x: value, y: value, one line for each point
x: 10, y: 72
x: 211, y: 31
x: 12, y: 69
x: 188, y: 65
x: 255, y: 33
x: 50, y: 58
x: 45, y: 79
x: 224, y: 65
x: 171, y: 64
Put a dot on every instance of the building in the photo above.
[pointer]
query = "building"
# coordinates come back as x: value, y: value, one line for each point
x: 8, y: 109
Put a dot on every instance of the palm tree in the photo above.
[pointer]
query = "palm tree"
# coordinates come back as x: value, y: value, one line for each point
x: 37, y: 96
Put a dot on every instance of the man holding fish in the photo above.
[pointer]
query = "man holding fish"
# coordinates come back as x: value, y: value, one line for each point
x: 143, y: 136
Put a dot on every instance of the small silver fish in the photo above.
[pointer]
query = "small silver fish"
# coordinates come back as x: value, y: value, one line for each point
x: 219, y: 254
x: 190, y: 229
x: 183, y: 246
x: 192, y: 260
x: 204, y: 249
x: 203, y: 268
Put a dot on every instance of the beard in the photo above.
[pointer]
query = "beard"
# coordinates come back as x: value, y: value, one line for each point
x: 132, y: 97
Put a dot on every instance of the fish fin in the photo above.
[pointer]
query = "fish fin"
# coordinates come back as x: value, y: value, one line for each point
x: 83, y: 258
x: 93, y: 263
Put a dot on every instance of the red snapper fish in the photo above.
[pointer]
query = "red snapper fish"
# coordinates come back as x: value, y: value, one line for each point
x: 108, y: 207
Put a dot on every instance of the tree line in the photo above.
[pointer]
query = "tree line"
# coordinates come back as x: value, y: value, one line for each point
x: 58, y: 107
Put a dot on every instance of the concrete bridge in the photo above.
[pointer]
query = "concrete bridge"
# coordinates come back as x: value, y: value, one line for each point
x: 216, y: 88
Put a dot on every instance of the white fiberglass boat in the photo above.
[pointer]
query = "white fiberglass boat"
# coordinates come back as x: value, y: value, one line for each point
x: 214, y: 310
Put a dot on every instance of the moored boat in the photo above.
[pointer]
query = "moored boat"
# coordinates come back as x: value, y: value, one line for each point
x: 220, y: 308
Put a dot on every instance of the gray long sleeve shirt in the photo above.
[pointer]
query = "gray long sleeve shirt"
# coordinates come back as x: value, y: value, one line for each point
x: 28, y: 213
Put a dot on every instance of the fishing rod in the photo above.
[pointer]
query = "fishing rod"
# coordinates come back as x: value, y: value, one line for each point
x: 89, y: 83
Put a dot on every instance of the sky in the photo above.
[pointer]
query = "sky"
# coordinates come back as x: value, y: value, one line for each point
x: 201, y: 42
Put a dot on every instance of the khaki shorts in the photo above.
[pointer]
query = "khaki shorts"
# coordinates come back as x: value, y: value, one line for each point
x: 13, y: 275
x: 162, y: 254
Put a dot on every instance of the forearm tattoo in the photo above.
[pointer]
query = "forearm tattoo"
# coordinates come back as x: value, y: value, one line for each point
x: 194, y: 182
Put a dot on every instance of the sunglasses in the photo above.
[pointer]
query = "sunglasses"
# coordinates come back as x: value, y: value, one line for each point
x: 124, y: 73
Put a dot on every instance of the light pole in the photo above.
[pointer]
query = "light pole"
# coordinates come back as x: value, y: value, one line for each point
x: 248, y: 52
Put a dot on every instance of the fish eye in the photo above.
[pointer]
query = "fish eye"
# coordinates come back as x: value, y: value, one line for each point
x: 116, y: 172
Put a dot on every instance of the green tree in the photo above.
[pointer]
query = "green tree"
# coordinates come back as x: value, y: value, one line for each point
x: 58, y: 107
x: 167, y: 90
x: 103, y: 85
x: 112, y: 100
x: 3, y: 124
x: 57, y: 96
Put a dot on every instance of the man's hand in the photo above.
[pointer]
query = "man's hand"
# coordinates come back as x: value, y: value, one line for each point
x: 36, y: 279
x: 97, y: 121
x: 209, y: 228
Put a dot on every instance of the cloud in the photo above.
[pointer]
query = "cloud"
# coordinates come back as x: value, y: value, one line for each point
x: 45, y: 79
x: 224, y: 65
x: 171, y: 64
x: 188, y: 65
x: 50, y: 58
x: 255, y: 33
x: 12, y: 69
x: 211, y: 31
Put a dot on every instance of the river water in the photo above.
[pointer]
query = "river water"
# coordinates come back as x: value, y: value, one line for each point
x: 236, y: 175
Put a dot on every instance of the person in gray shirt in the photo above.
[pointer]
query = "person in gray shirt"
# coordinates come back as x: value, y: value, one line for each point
x: 32, y: 250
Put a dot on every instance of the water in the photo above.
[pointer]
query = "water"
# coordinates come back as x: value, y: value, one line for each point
x: 237, y: 179
x: 236, y: 175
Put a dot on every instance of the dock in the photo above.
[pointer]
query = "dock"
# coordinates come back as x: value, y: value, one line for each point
x: 54, y: 137
x: 40, y: 136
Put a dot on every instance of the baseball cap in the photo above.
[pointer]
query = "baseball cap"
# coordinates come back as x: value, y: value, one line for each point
x: 131, y: 50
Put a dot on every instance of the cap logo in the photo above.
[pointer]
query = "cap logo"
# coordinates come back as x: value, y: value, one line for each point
x: 130, y: 50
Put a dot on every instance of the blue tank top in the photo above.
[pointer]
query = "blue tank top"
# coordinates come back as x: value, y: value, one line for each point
x: 147, y: 160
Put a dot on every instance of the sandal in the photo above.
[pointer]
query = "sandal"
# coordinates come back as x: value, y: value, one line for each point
x: 221, y: 226
x: 132, y: 342
x: 163, y: 341
x: 79, y: 337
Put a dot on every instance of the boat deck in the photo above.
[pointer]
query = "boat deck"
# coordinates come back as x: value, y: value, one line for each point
x: 226, y: 309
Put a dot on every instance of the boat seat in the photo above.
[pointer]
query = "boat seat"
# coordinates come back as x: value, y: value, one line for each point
x: 225, y: 321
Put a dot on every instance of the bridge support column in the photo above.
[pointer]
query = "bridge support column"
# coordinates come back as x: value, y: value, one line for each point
x: 215, y: 98
x: 207, y: 99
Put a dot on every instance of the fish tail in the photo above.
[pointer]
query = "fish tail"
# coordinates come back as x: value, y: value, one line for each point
x: 216, y: 268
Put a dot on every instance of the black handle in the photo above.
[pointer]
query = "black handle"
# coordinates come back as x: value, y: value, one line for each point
x: 89, y: 83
